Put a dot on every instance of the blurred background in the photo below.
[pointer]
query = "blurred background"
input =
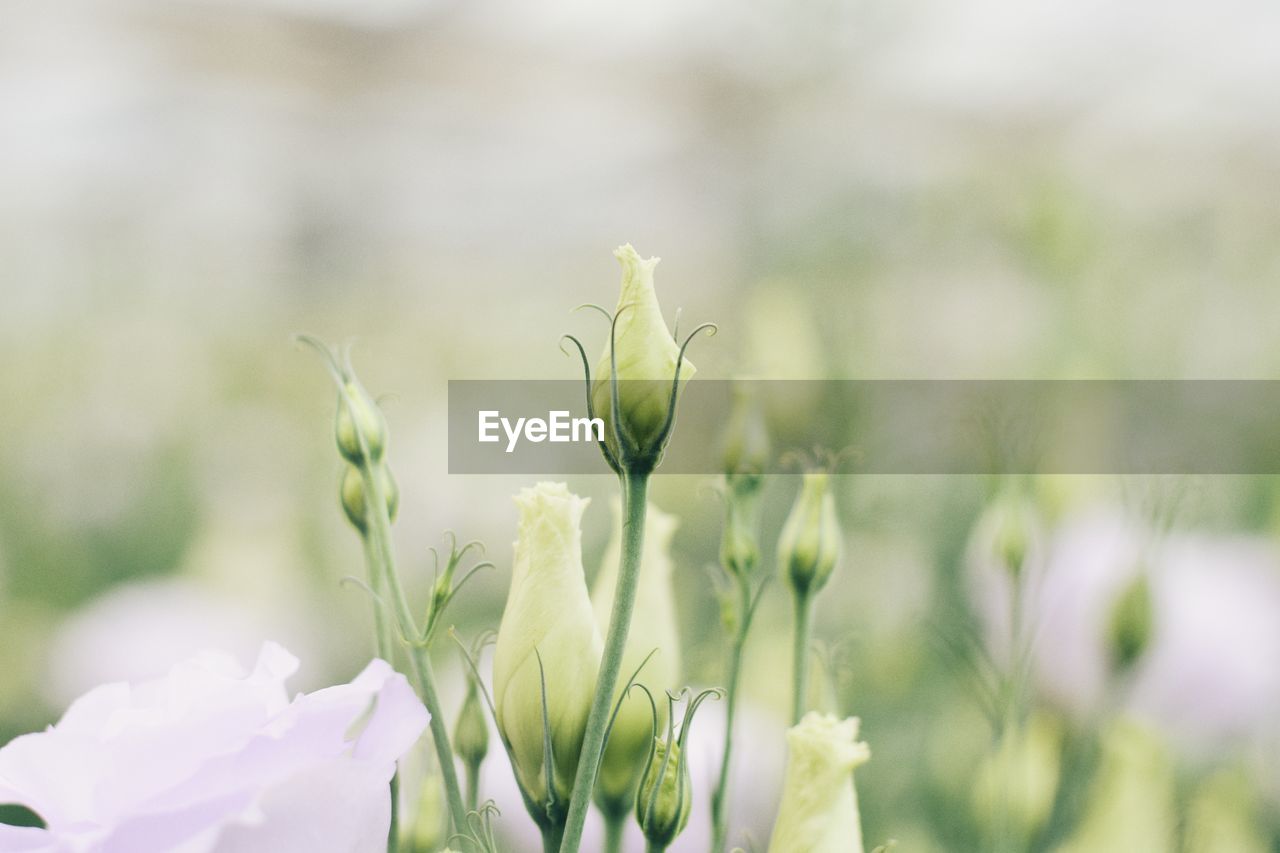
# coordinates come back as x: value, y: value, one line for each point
x: 913, y: 189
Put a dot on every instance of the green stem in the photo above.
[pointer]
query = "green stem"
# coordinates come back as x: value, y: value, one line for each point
x: 615, y: 824
x: 800, y: 659
x: 380, y: 534
x: 551, y: 838
x: 383, y: 642
x: 719, y: 797
x: 650, y: 847
x: 635, y: 488
x: 473, y: 786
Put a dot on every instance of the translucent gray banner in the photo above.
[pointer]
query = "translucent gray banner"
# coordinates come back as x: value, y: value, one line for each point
x: 900, y: 426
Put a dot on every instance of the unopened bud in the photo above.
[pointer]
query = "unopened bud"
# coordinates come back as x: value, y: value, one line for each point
x: 811, y: 540
x: 746, y: 444
x: 471, y: 733
x: 361, y: 416
x: 665, y: 798
x: 353, y: 495
x: 645, y: 359
x: 739, y: 549
x: 1130, y: 626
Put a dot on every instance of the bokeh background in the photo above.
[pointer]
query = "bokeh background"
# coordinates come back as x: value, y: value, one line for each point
x: 876, y: 189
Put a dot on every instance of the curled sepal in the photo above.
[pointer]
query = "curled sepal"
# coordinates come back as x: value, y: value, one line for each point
x: 665, y: 797
x: 480, y: 824
x: 443, y: 589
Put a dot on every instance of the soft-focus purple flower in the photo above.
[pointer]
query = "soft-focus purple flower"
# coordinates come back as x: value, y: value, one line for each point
x: 212, y: 758
x: 1209, y: 671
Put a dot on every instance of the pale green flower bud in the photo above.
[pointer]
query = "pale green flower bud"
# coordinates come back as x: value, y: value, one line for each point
x: 1131, y: 804
x: 1224, y: 815
x: 365, y: 414
x: 653, y: 629
x: 353, y: 496
x: 819, y: 809
x: 646, y: 362
x: 548, y: 616
x: 1016, y: 784
x: 1007, y: 532
x: 424, y: 825
x: 665, y: 798
x: 1129, y: 628
x: 746, y: 445
x: 470, y: 732
x: 810, y: 543
x: 739, y: 541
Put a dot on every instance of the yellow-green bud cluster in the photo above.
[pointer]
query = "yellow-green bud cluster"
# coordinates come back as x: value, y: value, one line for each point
x: 811, y: 541
x: 359, y: 426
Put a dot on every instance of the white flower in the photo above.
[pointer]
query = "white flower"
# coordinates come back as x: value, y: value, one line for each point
x: 819, y: 809
x: 211, y: 758
x: 646, y: 361
x: 549, y: 632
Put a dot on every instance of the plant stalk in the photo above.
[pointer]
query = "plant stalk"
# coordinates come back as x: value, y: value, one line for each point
x: 800, y: 659
x: 615, y: 824
x: 473, y: 786
x: 551, y: 838
x: 719, y: 797
x: 380, y: 534
x: 634, y: 504
x: 382, y: 639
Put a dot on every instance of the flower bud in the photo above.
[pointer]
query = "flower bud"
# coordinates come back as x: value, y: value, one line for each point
x: 548, y: 632
x: 739, y: 545
x: 1131, y: 804
x: 1015, y: 785
x: 810, y: 543
x: 819, y: 809
x: 353, y: 497
x: 470, y: 732
x: 1007, y: 534
x: 746, y: 444
x: 364, y: 415
x: 653, y: 629
x: 665, y: 798
x: 646, y: 363
x: 1130, y: 626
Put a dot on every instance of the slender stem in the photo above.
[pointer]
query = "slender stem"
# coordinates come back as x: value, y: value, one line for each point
x: 719, y: 797
x: 615, y: 824
x: 383, y: 630
x: 551, y: 838
x: 382, y: 638
x: 421, y: 663
x: 380, y: 533
x: 635, y: 488
x: 800, y: 660
x: 473, y: 786
x: 650, y: 847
